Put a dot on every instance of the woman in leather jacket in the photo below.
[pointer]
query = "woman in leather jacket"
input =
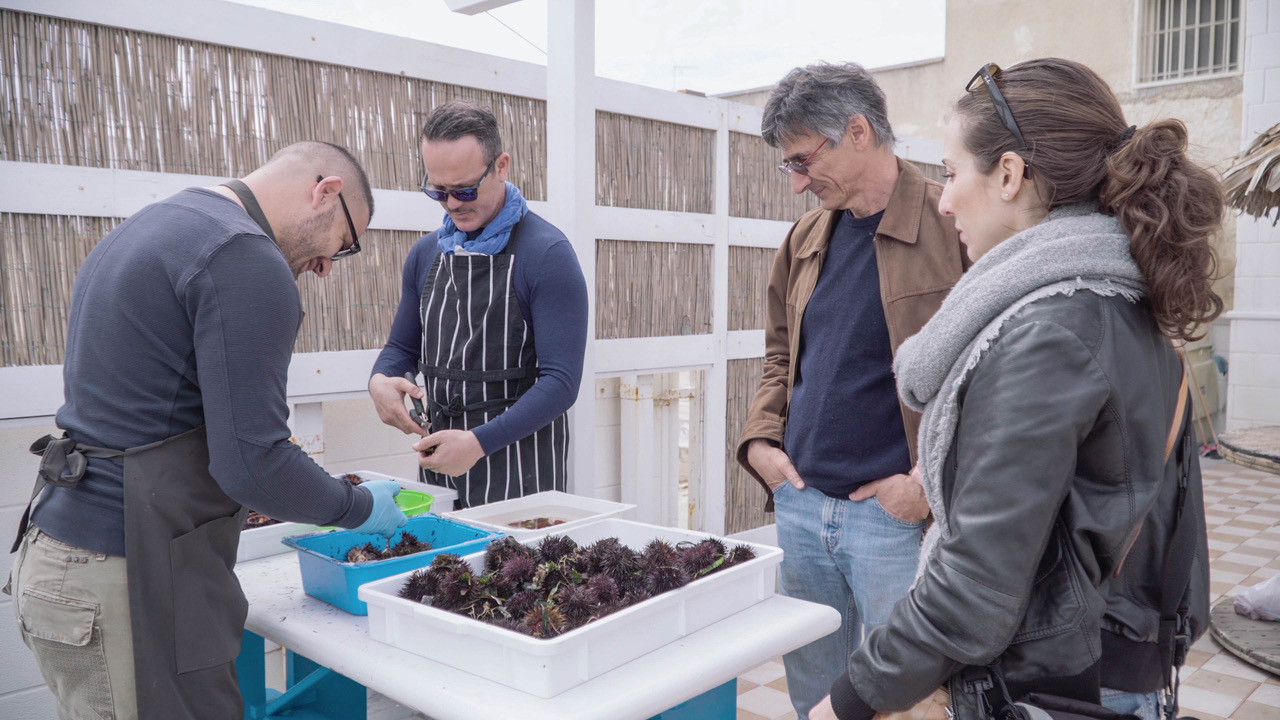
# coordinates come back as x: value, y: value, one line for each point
x: 1048, y: 384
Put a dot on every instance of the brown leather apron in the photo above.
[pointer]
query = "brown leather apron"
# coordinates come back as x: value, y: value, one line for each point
x: 186, y: 607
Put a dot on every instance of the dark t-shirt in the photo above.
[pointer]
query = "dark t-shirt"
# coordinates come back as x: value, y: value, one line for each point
x: 185, y: 315
x: 844, y: 425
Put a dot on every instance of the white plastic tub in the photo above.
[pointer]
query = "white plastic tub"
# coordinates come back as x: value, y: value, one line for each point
x: 546, y: 668
x: 266, y: 541
x: 574, y: 510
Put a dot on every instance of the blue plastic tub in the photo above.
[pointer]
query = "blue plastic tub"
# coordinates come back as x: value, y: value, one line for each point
x: 328, y: 577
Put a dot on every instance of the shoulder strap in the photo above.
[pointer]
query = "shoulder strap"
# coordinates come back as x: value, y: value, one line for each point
x: 251, y: 206
x: 1174, y: 638
x: 1181, y: 409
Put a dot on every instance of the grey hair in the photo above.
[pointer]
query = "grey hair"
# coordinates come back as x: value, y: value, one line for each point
x: 820, y: 99
x: 328, y: 154
x: 457, y: 119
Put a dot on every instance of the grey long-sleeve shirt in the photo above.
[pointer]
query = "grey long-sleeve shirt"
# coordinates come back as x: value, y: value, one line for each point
x: 184, y: 315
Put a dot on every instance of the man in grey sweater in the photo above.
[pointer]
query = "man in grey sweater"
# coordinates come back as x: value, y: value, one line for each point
x: 181, y: 330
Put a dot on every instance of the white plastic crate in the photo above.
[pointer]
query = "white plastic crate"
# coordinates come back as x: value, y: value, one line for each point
x: 574, y: 510
x: 546, y: 668
x: 263, y: 542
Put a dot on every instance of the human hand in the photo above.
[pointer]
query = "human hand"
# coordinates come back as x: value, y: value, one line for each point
x: 772, y: 464
x: 388, y: 398
x: 385, y: 518
x: 901, y: 495
x: 449, y: 452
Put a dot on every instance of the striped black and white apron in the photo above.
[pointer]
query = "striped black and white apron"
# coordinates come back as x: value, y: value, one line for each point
x: 477, y: 360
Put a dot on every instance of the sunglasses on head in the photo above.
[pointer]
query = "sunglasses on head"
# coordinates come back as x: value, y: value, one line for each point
x: 986, y: 74
x: 466, y: 194
x: 355, y: 241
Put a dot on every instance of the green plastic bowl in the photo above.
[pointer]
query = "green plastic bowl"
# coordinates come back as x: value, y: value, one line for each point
x: 410, y: 502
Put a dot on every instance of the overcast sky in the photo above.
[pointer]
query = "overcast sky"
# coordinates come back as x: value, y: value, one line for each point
x: 714, y: 46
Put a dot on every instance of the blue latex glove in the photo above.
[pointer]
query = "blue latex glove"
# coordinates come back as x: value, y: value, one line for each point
x: 385, y: 518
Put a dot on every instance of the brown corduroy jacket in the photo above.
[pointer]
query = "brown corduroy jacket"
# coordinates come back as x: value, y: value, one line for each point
x: 920, y: 258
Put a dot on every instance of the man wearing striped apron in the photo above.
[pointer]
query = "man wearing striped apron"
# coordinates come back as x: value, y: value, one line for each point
x: 494, y: 316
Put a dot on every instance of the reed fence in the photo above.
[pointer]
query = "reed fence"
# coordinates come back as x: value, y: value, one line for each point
x: 39, y: 258
x: 351, y: 309
x: 82, y: 94
x: 642, y: 163
x: 743, y: 497
x: 647, y: 289
x: 749, y: 269
x: 756, y: 188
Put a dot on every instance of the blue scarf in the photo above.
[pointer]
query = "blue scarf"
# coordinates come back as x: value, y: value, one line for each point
x: 493, y: 237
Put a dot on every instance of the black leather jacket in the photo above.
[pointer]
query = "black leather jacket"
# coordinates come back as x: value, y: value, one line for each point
x: 1132, y: 659
x: 1059, y: 454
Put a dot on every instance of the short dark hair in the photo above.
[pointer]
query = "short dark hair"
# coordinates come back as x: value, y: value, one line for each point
x: 457, y: 119
x: 820, y: 99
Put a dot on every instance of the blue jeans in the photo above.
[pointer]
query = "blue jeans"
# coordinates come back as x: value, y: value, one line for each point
x: 1144, y: 705
x: 852, y: 556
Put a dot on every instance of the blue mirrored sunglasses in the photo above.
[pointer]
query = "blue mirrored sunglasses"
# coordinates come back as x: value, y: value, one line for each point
x: 466, y: 194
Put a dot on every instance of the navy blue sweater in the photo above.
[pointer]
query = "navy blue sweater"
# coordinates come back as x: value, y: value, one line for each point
x: 185, y: 315
x: 552, y: 295
x: 844, y: 425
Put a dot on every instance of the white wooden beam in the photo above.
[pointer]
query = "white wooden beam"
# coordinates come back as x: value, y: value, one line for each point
x: 475, y: 7
x: 637, y: 450
x: 571, y: 189
x: 710, y: 507
x: 654, y: 354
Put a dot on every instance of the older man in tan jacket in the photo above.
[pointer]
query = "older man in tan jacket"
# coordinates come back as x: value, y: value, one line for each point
x: 826, y: 434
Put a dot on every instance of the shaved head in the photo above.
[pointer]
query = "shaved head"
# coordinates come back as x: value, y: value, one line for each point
x: 322, y: 158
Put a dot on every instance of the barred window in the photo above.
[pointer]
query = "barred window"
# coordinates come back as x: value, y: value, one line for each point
x: 1188, y: 39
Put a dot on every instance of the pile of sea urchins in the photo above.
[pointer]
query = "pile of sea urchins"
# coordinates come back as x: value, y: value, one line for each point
x: 558, y: 585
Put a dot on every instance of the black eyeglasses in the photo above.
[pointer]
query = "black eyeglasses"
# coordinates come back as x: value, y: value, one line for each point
x: 466, y: 194
x: 355, y: 241
x: 986, y: 73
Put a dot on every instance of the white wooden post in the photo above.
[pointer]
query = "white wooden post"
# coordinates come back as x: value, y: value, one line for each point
x: 571, y: 192
x: 307, y: 423
x: 709, y: 515
x: 637, y: 449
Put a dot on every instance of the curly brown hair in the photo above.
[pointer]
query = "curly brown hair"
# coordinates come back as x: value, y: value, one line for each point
x: 1079, y: 149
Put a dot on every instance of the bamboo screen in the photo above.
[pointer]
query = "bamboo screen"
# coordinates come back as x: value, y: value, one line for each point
x: 749, y: 269
x: 39, y: 258
x: 756, y: 188
x: 643, y: 163
x: 351, y: 309
x: 83, y: 94
x: 743, y: 497
x: 647, y: 289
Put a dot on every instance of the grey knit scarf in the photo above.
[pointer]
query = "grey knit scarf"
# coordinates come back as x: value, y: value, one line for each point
x: 1074, y: 248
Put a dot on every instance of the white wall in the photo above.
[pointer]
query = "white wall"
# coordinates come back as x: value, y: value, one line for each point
x: 1254, y: 374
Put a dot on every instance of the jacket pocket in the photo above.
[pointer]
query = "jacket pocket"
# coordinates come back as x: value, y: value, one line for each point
x: 1057, y: 601
x: 209, y: 608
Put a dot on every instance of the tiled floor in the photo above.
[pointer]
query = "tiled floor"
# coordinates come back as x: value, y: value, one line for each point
x: 1242, y: 509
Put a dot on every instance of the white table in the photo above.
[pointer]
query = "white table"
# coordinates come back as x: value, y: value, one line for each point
x: 281, y: 612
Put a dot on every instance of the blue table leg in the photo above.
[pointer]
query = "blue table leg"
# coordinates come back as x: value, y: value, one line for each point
x: 313, y: 692
x: 317, y: 693
x: 719, y: 703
